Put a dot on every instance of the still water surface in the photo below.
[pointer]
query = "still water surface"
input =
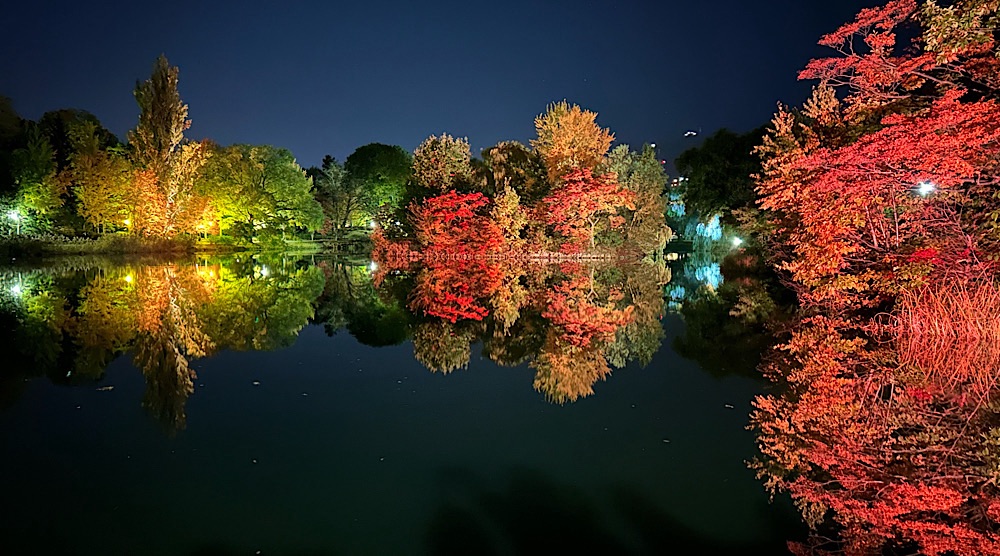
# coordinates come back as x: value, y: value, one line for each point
x: 295, y: 435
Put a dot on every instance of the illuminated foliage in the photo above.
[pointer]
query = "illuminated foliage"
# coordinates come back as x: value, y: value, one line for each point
x: 166, y: 201
x: 166, y: 316
x: 35, y: 176
x: 99, y: 178
x: 642, y: 334
x: 162, y: 119
x: 882, y: 203
x: 170, y: 204
x: 510, y: 217
x: 583, y: 321
x: 569, y: 140
x: 442, y: 163
x: 259, y: 191
x: 580, y: 203
x: 440, y: 347
x: 261, y: 308
x: 456, y: 224
x: 565, y: 374
x: 379, y: 172
x: 642, y: 174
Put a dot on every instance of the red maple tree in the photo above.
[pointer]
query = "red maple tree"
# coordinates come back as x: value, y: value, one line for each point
x: 887, y: 192
x: 580, y: 203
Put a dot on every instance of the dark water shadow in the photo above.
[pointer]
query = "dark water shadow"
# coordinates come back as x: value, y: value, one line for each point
x: 534, y: 514
x: 219, y: 550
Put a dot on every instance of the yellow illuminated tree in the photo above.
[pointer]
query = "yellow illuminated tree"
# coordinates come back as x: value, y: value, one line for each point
x: 569, y: 139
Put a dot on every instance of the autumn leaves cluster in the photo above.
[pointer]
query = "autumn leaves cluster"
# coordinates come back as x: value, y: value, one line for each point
x: 879, y: 197
x: 566, y: 193
x: 474, y: 225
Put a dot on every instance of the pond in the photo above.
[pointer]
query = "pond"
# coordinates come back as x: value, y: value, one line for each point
x: 282, y: 405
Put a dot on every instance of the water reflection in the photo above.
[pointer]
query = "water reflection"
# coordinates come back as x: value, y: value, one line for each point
x: 70, y: 325
x: 572, y: 322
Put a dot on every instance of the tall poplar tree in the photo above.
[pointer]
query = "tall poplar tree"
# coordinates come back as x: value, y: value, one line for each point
x: 163, y: 118
x: 166, y: 202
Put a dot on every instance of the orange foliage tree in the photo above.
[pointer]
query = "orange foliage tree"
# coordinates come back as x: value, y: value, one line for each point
x: 569, y: 139
x: 583, y: 322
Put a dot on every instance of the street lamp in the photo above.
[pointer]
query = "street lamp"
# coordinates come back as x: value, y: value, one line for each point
x: 16, y: 217
x: 925, y: 188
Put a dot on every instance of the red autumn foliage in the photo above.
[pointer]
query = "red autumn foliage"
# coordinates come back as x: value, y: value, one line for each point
x: 580, y: 203
x: 857, y: 203
x: 455, y: 225
x: 582, y: 321
x: 886, y: 426
x: 453, y: 291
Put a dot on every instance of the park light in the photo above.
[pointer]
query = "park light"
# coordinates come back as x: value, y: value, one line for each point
x: 373, y: 266
x: 264, y: 272
x: 127, y: 222
x: 16, y: 290
x: 16, y: 217
x: 737, y: 242
x: 652, y: 145
x: 925, y: 188
x: 372, y: 224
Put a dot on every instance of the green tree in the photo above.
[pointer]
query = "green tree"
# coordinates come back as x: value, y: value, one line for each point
x: 39, y: 193
x: 11, y: 134
x: 342, y: 200
x: 642, y: 173
x: 260, y: 192
x: 720, y: 173
x: 380, y: 172
x: 61, y: 126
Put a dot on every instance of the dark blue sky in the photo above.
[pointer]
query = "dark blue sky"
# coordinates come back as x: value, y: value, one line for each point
x: 327, y: 77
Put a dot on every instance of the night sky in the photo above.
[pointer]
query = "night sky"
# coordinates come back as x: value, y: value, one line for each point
x: 327, y: 77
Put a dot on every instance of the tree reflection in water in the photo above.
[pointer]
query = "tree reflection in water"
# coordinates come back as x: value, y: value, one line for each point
x: 571, y: 322
x: 166, y: 315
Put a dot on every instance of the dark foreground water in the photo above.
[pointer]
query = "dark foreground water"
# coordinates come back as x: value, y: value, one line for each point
x: 293, y: 437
